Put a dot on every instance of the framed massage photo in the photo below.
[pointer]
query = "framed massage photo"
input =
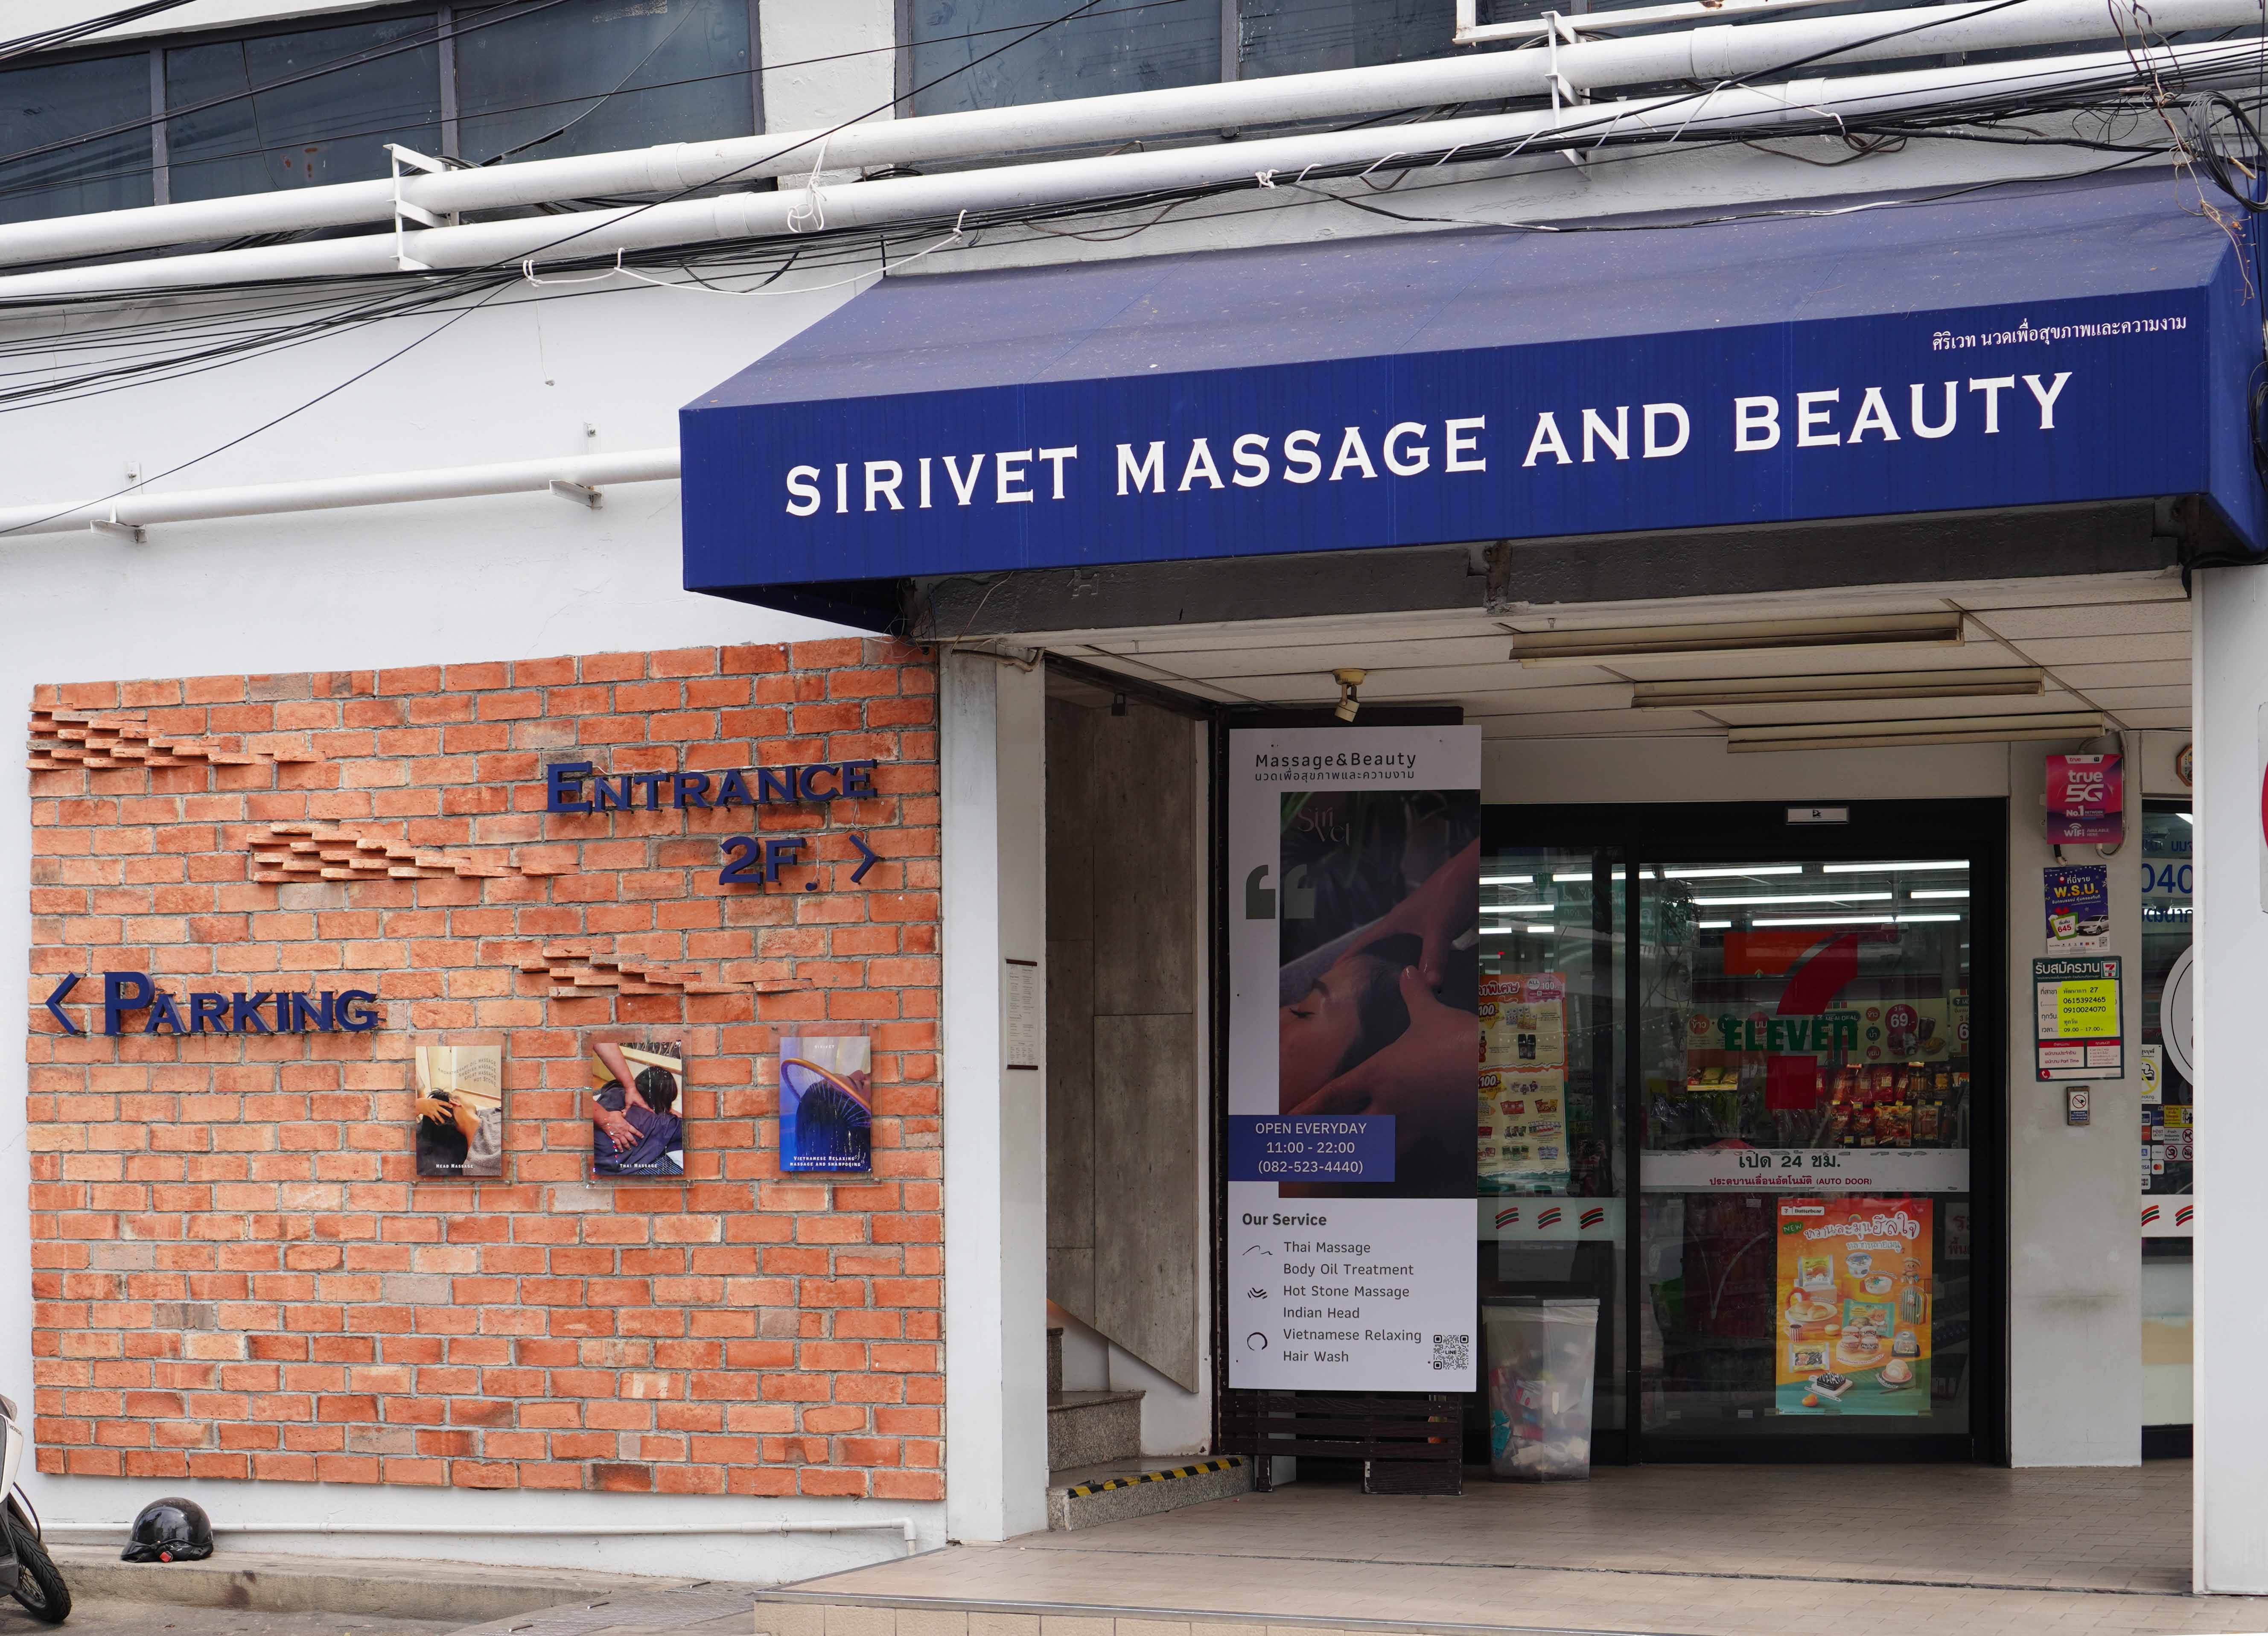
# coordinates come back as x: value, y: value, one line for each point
x: 460, y: 1109
x: 636, y: 1103
x: 826, y: 1103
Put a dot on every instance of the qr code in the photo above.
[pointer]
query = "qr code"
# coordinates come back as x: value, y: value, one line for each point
x: 1452, y: 1351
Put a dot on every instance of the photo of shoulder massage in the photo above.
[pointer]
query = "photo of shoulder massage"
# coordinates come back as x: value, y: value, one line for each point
x: 637, y: 1101
x: 1380, y: 983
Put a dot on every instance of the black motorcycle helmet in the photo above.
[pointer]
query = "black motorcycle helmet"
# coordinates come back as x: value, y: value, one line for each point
x: 170, y: 1530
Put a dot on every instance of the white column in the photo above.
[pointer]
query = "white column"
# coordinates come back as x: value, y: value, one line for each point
x: 996, y: 1393
x: 2228, y: 683
x: 2074, y: 1223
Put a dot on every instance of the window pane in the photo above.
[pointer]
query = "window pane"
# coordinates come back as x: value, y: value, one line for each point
x: 596, y: 75
x: 331, y: 127
x: 1121, y: 48
x: 61, y: 101
x: 1304, y: 36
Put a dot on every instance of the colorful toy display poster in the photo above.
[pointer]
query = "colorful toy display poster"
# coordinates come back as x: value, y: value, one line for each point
x: 1851, y: 1331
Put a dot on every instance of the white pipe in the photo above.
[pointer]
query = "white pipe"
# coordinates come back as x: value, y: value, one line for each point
x: 1065, y: 181
x: 1706, y: 53
x: 517, y: 1530
x: 585, y: 472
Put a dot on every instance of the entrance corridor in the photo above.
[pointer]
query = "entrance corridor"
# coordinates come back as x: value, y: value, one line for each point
x: 1685, y: 1551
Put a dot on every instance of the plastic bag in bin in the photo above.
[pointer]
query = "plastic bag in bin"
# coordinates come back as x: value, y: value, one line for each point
x: 1542, y: 1353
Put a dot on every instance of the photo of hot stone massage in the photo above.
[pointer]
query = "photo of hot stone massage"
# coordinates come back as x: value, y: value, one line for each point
x: 638, y: 1095
x: 826, y: 1103
x: 460, y: 1109
x: 1380, y: 983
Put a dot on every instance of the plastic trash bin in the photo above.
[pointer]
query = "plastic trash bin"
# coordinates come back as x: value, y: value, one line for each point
x: 1541, y: 1352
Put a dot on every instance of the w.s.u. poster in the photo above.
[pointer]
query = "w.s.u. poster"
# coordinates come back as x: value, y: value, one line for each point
x: 1853, y: 1326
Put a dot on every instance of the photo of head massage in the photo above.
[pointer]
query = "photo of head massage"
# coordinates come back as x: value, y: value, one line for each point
x: 460, y: 1109
x: 1380, y: 982
x: 636, y: 1123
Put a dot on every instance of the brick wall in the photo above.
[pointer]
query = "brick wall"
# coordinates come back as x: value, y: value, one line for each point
x: 237, y: 1273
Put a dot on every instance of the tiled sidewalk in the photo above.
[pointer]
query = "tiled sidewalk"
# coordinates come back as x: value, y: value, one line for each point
x: 1692, y: 1550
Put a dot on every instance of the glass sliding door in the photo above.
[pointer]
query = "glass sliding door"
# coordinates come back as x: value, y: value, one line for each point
x: 1804, y: 1233
x: 1552, y: 1051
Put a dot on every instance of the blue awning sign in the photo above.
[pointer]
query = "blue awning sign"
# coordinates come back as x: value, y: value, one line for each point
x: 2087, y: 344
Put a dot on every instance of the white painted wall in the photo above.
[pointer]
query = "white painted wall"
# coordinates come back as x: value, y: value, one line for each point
x: 993, y: 748
x: 2074, y: 1241
x: 2229, y: 668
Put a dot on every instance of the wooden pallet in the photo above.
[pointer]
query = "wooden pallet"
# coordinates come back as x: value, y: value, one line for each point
x: 1408, y: 1442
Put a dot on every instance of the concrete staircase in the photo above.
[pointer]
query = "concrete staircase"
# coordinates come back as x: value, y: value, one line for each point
x: 1096, y: 1471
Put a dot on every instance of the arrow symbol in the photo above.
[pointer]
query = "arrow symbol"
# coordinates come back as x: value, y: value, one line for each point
x: 55, y: 1003
x: 868, y: 854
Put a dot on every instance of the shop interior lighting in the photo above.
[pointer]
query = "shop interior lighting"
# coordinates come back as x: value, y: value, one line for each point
x: 1909, y: 920
x: 1870, y: 869
x: 1585, y: 874
x: 1794, y: 897
x: 1714, y: 925
x: 1507, y: 880
x: 2186, y: 817
x: 2051, y: 725
x: 1852, y: 920
x: 1738, y: 872
x: 1498, y: 930
x: 1348, y: 680
x: 1948, y: 891
x: 1595, y: 648
x: 1531, y: 908
x: 1987, y: 681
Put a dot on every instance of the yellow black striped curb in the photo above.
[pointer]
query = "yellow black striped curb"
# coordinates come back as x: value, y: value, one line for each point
x: 1202, y: 1468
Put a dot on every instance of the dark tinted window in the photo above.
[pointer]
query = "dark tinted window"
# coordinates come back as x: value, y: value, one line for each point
x: 1120, y: 46
x: 62, y: 102
x: 1305, y: 36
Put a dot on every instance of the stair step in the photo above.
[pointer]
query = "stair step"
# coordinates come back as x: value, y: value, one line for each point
x: 1111, y: 1491
x: 1088, y: 1428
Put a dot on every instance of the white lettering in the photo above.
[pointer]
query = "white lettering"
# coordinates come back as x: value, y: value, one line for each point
x: 803, y: 490
x: 842, y: 486
x: 1200, y: 465
x: 883, y: 478
x: 1408, y: 463
x: 1352, y: 454
x: 1301, y: 463
x: 1808, y: 420
x: 1873, y: 415
x: 1147, y: 473
x: 1457, y: 445
x: 1007, y: 474
x: 2047, y: 396
x: 1655, y: 449
x: 1547, y: 440
x: 925, y: 483
x: 963, y: 488
x: 1251, y: 463
x: 1056, y: 458
x: 1993, y: 388
x: 1756, y: 424
x: 1617, y: 441
x: 1921, y: 427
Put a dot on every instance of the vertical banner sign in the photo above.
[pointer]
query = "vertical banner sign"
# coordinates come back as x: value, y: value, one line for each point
x: 1855, y: 1293
x: 1354, y: 1058
x: 2075, y: 1029
x: 2077, y: 902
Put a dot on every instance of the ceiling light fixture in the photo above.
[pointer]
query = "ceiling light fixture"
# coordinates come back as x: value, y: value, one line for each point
x: 1855, y: 735
x: 1987, y: 682
x: 1592, y: 647
x: 1734, y: 873
x: 1348, y: 680
x: 1507, y: 880
x: 1874, y: 869
x: 1939, y: 892
x: 1794, y: 897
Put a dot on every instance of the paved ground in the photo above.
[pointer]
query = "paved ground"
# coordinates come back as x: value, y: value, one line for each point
x: 1681, y: 1550
x: 142, y: 1618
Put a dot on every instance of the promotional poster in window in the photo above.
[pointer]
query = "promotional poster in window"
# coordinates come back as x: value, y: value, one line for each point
x: 1354, y: 1051
x: 636, y: 1108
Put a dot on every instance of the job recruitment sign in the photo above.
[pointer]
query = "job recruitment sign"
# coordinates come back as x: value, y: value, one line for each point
x: 1354, y: 880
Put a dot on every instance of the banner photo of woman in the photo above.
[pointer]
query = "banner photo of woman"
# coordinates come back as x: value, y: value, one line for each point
x: 1354, y: 1058
x: 637, y: 1092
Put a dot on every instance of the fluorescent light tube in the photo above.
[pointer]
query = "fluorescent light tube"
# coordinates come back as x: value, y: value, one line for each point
x: 1829, y: 920
x: 1908, y: 920
x: 1498, y: 930
x: 1507, y: 880
x: 1739, y: 872
x: 1592, y: 647
x: 1714, y: 925
x: 1921, y: 892
x: 1852, y: 735
x: 1988, y: 681
x: 1531, y: 908
x: 1872, y: 869
x: 1794, y: 897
